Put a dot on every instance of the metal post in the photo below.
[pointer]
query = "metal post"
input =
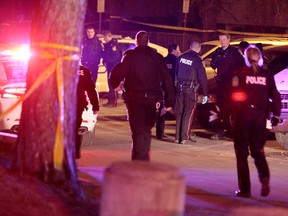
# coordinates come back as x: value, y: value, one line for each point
x: 100, y: 23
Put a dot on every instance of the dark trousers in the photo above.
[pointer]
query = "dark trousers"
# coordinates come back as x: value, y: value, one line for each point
x: 184, y: 108
x: 224, y: 104
x: 250, y: 133
x: 142, y: 117
x: 160, y: 123
x: 78, y: 137
x: 112, y: 94
x: 94, y: 71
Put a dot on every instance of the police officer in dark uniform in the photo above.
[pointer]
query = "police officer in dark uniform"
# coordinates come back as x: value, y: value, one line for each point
x: 111, y: 56
x: 85, y: 84
x: 145, y: 76
x: 190, y: 74
x: 253, y: 87
x: 171, y: 60
x: 91, y: 53
x: 226, y: 59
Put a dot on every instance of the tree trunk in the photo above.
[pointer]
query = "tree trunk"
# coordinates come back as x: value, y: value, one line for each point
x: 208, y: 9
x: 55, y: 22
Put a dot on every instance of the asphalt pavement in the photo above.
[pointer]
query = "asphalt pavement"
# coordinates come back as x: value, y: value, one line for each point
x: 208, y: 165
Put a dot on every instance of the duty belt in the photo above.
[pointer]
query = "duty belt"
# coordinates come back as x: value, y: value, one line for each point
x: 143, y: 94
x: 185, y: 83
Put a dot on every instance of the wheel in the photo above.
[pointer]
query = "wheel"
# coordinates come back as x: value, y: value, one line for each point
x: 282, y: 139
x: 88, y: 138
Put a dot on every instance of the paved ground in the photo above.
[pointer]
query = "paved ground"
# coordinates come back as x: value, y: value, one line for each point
x: 208, y: 165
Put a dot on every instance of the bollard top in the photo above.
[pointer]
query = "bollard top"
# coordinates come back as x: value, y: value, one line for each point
x: 144, y: 169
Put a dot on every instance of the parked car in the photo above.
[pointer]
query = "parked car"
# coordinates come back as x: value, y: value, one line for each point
x: 276, y: 50
x: 13, y: 69
x: 279, y: 63
x: 124, y: 44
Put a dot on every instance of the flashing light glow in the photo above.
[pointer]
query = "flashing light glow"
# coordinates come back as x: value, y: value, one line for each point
x: 239, y: 96
x: 20, y: 53
x: 23, y: 53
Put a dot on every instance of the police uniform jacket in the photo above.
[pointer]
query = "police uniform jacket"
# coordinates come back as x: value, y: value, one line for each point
x: 190, y: 68
x: 112, y: 54
x: 145, y: 73
x: 171, y: 61
x: 85, y: 84
x: 254, y: 90
x: 91, y: 52
x: 226, y: 62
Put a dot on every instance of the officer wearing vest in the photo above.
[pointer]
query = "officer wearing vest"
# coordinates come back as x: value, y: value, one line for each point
x: 190, y: 74
x: 171, y: 60
x: 254, y: 92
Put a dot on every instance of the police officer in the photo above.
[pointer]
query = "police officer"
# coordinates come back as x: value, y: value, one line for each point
x: 85, y: 84
x: 145, y: 75
x: 253, y: 87
x: 226, y: 59
x: 111, y: 56
x: 91, y: 53
x: 170, y: 59
x: 190, y: 74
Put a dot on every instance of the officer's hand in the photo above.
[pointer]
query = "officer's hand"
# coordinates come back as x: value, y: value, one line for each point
x: 204, y: 99
x: 120, y: 87
x: 213, y: 117
x: 168, y: 109
x: 274, y: 121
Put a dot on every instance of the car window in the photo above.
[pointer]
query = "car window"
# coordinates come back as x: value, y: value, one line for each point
x: 126, y: 46
x: 15, y: 71
x: 278, y: 60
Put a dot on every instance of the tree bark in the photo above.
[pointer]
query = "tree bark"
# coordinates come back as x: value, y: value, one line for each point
x: 208, y: 9
x: 54, y: 22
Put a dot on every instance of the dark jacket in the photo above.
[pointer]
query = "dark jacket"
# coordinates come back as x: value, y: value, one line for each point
x: 251, y: 90
x: 91, y: 52
x: 85, y: 84
x: 145, y: 72
x: 171, y: 61
x: 112, y: 54
x: 226, y: 62
x: 190, y: 68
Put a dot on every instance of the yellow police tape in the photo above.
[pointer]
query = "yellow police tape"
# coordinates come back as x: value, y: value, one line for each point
x: 178, y: 28
x: 58, y: 151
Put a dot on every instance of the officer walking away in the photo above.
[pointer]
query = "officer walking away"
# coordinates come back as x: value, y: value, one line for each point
x: 145, y: 76
x: 85, y: 84
x: 111, y: 56
x: 170, y: 59
x: 253, y: 87
x: 190, y: 74
x: 226, y: 59
x: 91, y: 53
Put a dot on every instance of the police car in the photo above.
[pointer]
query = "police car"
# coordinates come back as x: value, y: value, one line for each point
x: 13, y: 69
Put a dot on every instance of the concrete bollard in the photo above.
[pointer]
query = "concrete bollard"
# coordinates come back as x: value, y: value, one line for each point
x: 141, y: 188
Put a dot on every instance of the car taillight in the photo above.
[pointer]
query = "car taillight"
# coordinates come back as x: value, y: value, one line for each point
x: 12, y: 92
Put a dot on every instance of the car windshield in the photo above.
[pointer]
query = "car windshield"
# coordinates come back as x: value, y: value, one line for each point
x: 13, y: 71
x: 14, y: 51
